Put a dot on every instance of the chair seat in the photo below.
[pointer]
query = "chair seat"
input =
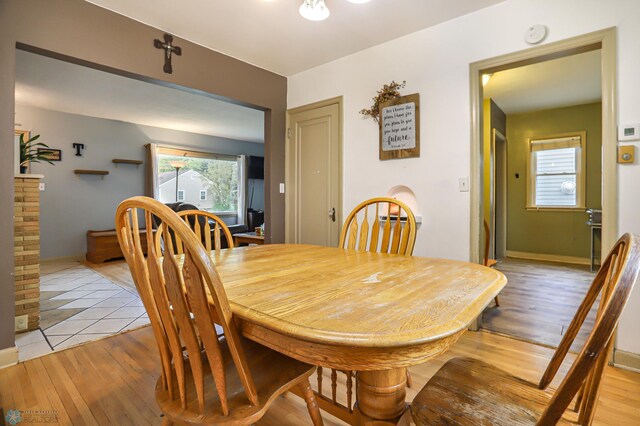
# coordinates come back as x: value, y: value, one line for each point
x: 273, y: 374
x: 467, y: 391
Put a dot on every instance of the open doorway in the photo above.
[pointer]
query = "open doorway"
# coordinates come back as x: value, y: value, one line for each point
x: 545, y: 138
x: 110, y: 138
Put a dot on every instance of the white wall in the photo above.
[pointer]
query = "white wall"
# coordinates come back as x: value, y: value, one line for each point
x: 435, y: 63
x: 72, y: 205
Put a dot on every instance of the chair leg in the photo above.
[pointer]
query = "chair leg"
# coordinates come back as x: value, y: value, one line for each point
x: 409, y: 379
x: 312, y: 405
x: 497, y: 301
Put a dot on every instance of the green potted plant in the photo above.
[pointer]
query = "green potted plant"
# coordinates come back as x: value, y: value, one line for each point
x: 29, y: 152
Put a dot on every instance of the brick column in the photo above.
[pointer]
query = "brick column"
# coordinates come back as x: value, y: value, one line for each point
x: 27, y: 248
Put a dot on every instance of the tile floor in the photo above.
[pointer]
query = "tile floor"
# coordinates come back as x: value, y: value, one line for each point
x: 78, y: 305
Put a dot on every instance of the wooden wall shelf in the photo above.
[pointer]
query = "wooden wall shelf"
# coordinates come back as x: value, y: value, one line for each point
x: 123, y: 161
x: 91, y: 172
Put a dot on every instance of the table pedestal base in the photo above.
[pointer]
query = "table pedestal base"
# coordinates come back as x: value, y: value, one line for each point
x: 381, y: 396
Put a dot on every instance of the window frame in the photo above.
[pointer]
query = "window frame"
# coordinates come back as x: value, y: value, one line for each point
x: 184, y: 196
x: 203, y: 191
x: 581, y: 175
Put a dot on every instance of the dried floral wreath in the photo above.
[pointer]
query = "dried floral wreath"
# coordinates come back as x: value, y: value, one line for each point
x: 388, y: 92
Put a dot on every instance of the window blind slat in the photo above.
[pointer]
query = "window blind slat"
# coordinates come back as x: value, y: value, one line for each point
x: 558, y: 143
x: 555, y: 161
x: 556, y: 190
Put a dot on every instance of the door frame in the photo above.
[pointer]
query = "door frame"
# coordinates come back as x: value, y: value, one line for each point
x: 603, y: 40
x: 290, y: 167
x: 502, y: 210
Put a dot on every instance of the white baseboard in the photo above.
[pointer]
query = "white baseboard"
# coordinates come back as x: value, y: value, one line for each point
x: 550, y: 258
x: 627, y: 360
x: 8, y: 356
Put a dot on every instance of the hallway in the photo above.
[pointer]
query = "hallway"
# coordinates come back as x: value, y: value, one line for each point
x: 539, y: 301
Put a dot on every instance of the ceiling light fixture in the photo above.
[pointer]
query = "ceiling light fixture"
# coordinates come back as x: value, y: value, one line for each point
x: 317, y: 10
x: 486, y: 78
x: 314, y: 10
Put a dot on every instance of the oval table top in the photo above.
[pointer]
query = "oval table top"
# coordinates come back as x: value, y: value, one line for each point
x: 338, y: 297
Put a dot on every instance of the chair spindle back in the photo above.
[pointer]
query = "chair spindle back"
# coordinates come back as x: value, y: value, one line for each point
x: 184, y: 297
x: 201, y: 223
x: 381, y: 224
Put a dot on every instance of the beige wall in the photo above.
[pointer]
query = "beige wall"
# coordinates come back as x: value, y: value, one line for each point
x: 551, y: 232
x: 87, y: 34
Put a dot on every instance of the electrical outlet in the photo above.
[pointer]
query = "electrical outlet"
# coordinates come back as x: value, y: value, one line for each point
x: 22, y: 322
x: 463, y: 184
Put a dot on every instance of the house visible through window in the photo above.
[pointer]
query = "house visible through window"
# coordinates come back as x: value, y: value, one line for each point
x: 211, y: 182
x: 556, y: 177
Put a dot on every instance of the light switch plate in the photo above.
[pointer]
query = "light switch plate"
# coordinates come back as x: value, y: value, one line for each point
x: 463, y: 184
x: 41, y: 186
x: 281, y: 188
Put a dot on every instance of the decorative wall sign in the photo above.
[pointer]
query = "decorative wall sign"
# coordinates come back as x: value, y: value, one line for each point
x: 400, y: 128
x: 50, y: 154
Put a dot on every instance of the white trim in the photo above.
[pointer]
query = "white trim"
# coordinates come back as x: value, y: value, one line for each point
x: 626, y: 360
x: 8, y: 356
x: 549, y: 257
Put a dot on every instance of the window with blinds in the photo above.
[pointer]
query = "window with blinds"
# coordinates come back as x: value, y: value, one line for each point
x: 556, y: 178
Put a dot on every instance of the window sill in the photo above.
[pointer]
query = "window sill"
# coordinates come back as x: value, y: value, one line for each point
x: 226, y: 214
x: 556, y: 209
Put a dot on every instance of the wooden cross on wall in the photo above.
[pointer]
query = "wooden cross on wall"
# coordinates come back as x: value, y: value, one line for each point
x: 169, y: 49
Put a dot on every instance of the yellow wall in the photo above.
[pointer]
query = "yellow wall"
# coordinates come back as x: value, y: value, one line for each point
x: 562, y: 233
x: 486, y: 153
x: 493, y: 118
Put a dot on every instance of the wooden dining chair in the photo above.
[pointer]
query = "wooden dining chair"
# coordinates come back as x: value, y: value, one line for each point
x: 467, y: 391
x: 490, y: 263
x: 202, y: 222
x: 382, y: 224
x: 205, y: 379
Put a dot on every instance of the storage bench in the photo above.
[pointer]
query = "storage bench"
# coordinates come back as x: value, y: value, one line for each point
x: 103, y: 245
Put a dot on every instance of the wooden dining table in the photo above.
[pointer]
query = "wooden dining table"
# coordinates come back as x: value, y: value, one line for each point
x: 372, y: 313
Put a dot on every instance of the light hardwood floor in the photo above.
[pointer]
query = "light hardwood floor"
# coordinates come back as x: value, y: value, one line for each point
x: 112, y: 381
x: 539, y: 301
